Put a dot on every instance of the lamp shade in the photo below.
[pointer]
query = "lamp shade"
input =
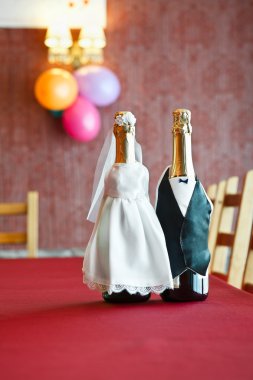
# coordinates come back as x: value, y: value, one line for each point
x: 58, y: 36
x: 92, y: 37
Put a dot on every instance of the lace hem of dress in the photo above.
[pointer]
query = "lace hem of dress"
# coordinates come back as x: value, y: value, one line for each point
x: 117, y: 288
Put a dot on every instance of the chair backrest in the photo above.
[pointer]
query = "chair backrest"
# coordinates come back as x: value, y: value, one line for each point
x: 230, y: 250
x: 248, y: 276
x: 215, y: 218
x: 224, y: 225
x: 31, y: 210
x: 242, y: 236
x: 212, y: 191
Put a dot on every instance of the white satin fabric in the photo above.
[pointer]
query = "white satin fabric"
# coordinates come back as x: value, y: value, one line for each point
x: 127, y: 249
x: 182, y: 191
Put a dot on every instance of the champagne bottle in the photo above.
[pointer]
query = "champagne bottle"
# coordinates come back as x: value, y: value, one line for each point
x: 184, y: 213
x: 125, y: 154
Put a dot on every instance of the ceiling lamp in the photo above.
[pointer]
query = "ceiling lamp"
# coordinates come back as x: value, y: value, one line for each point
x: 87, y: 49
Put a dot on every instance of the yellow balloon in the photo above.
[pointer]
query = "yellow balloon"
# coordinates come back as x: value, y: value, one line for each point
x: 56, y: 89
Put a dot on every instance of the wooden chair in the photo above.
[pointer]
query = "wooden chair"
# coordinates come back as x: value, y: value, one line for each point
x: 212, y: 191
x: 248, y: 276
x: 31, y: 210
x: 216, y: 194
x: 231, y: 265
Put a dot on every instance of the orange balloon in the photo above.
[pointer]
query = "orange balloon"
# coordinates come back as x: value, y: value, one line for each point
x: 56, y: 89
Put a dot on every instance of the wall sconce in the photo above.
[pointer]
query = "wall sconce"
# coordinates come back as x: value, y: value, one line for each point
x: 87, y: 49
x: 58, y: 40
x: 92, y: 40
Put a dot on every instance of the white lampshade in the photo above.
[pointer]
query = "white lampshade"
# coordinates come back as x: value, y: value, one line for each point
x: 92, y: 36
x: 58, y: 36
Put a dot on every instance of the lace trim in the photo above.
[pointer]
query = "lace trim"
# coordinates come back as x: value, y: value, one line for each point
x: 117, y: 288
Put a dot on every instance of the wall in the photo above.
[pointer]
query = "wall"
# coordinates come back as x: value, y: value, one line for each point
x: 167, y: 54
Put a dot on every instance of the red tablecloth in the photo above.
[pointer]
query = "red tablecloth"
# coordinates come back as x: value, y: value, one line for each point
x: 53, y: 327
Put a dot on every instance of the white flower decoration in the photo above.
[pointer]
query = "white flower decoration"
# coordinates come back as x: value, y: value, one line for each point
x: 119, y: 120
x: 127, y: 120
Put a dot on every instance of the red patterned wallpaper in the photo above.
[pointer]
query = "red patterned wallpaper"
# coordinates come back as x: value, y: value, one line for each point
x: 167, y: 54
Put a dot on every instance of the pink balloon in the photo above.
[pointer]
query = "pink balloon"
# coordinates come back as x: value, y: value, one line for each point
x: 82, y: 120
x: 98, y: 84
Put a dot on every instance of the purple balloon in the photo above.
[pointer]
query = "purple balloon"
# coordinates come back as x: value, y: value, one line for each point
x: 81, y: 120
x: 98, y: 84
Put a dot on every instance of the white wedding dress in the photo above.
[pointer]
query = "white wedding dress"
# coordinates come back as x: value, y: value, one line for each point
x: 127, y: 249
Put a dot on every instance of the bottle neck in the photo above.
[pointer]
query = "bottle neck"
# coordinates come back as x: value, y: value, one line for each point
x: 125, y: 147
x: 182, y: 164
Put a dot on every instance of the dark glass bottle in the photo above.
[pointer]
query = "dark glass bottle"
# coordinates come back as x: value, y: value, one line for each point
x: 189, y: 284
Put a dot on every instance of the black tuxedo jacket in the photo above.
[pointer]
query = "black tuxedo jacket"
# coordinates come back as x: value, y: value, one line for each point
x: 186, y: 237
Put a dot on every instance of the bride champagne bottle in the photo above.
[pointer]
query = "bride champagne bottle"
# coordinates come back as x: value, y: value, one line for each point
x: 126, y: 257
x: 125, y: 154
x: 183, y: 209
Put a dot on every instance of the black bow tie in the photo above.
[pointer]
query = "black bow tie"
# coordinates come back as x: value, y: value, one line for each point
x: 183, y: 180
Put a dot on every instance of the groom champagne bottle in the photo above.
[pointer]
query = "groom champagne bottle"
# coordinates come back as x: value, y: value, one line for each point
x: 183, y: 209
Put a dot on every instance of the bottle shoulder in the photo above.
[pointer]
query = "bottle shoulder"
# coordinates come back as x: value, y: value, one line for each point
x: 132, y: 166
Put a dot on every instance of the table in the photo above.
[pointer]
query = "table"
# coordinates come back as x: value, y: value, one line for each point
x: 53, y: 327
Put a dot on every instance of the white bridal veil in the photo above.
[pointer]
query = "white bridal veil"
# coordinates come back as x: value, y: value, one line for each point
x: 105, y: 161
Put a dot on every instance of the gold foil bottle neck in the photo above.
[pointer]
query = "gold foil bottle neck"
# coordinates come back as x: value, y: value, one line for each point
x: 182, y: 164
x: 182, y: 121
x: 124, y: 132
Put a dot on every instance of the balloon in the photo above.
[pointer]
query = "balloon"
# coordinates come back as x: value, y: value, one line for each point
x: 98, y: 84
x: 82, y: 120
x: 56, y: 89
x: 56, y: 114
